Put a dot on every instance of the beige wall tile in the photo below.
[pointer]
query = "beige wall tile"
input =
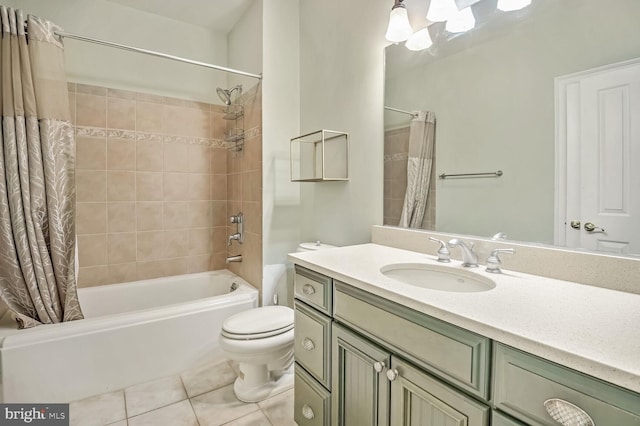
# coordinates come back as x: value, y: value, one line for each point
x: 252, y: 186
x: 176, y: 187
x: 149, y: 156
x: 149, y: 186
x: 91, y: 185
x: 175, y: 157
x: 91, y: 110
x: 91, y: 153
x: 148, y: 97
x: 92, y: 276
x: 176, y: 243
x: 218, y: 125
x: 121, y: 186
x: 72, y: 106
x: 198, y: 158
x: 176, y: 215
x: 92, y: 250
x: 252, y: 260
x: 253, y: 154
x: 149, y: 117
x: 149, y: 216
x: 200, y: 214
x: 199, y: 186
x: 149, y: 270
x: 122, y: 94
x: 91, y: 90
x: 121, y: 114
x: 218, y: 261
x: 177, y: 266
x: 121, y: 154
x: 199, y: 241
x: 218, y: 160
x: 186, y: 121
x: 122, y: 273
x: 71, y: 87
x: 122, y: 248
x: 91, y: 218
x: 199, y: 263
x: 234, y: 187
x: 252, y: 211
x: 150, y: 245
x: 219, y: 213
x: 219, y: 239
x: 218, y: 187
x: 122, y: 217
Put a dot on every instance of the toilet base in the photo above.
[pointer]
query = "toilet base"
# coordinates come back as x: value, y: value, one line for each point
x: 261, y: 384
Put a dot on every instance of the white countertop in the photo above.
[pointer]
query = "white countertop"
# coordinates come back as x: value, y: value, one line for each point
x: 590, y: 329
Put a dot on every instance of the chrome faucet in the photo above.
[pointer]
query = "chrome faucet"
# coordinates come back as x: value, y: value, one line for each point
x: 235, y: 236
x: 236, y: 258
x: 469, y: 258
x: 238, y: 219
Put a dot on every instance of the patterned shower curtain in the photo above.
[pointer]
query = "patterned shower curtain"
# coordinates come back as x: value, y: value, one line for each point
x: 37, y: 177
x: 421, y: 143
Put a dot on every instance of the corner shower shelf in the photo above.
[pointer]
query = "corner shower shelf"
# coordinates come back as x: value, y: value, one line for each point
x: 320, y: 156
x: 234, y: 135
x: 233, y: 112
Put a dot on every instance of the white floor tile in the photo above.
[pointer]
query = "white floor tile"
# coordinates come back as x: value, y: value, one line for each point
x: 279, y: 409
x: 178, y: 414
x: 98, y: 410
x: 220, y: 406
x: 254, y: 419
x: 208, y: 377
x: 155, y: 394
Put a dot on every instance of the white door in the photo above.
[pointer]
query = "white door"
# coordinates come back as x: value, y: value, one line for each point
x: 600, y: 124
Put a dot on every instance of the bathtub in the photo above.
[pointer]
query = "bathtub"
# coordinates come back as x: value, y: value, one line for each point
x: 132, y: 333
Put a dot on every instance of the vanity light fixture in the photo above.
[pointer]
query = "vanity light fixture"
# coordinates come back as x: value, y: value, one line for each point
x: 441, y: 10
x: 399, y: 28
x: 511, y: 5
x: 420, y: 40
x: 461, y: 21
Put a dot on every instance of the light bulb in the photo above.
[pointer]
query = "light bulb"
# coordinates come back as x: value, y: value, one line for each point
x: 511, y: 5
x: 462, y: 21
x: 441, y: 10
x: 399, y: 28
x: 420, y: 40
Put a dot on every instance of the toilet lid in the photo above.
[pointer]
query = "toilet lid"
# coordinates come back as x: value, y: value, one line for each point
x: 315, y: 246
x: 258, y: 323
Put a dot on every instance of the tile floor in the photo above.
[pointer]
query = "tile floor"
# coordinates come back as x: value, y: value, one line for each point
x: 201, y: 396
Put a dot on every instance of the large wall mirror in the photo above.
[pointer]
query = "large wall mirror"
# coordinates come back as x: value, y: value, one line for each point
x: 548, y: 95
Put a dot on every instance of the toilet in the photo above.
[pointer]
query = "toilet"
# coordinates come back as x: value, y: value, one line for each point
x: 260, y: 340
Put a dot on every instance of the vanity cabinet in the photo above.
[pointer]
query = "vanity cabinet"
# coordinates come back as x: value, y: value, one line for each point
x: 362, y: 359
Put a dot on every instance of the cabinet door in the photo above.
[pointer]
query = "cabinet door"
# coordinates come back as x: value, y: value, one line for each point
x: 418, y: 399
x: 360, y: 393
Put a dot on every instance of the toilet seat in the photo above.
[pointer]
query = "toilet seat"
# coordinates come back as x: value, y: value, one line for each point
x: 258, y: 323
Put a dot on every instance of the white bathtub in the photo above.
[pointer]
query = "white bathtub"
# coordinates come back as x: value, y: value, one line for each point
x: 132, y: 333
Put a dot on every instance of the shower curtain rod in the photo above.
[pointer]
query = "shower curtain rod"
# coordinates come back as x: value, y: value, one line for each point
x: 413, y: 114
x: 153, y: 53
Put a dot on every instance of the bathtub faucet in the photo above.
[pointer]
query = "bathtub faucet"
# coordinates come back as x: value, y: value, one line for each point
x: 235, y: 236
x: 236, y: 258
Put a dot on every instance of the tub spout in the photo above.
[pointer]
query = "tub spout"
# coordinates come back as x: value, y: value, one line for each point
x: 236, y: 258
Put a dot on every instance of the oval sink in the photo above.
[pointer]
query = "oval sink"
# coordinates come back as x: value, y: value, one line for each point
x: 436, y: 277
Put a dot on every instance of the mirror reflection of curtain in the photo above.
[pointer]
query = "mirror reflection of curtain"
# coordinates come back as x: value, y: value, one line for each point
x: 37, y: 175
x: 419, y: 164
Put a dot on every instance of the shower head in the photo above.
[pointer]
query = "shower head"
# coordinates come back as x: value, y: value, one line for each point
x: 225, y: 94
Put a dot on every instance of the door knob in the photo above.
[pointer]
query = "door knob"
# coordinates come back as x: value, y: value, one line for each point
x: 590, y: 227
x: 575, y: 224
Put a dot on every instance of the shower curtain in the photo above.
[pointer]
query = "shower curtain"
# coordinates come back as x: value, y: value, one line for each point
x: 421, y: 142
x: 37, y: 176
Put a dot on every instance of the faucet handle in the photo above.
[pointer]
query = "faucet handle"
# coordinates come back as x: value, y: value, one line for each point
x: 444, y: 255
x: 493, y: 261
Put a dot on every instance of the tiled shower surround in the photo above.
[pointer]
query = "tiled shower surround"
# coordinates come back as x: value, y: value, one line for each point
x: 156, y: 184
x: 396, y: 151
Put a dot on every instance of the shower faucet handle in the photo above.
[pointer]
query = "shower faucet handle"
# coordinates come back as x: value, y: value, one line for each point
x: 236, y: 218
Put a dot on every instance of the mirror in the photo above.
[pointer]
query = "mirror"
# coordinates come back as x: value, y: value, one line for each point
x: 493, y: 93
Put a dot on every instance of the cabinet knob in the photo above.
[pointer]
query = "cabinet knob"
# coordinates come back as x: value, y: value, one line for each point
x: 567, y: 414
x: 392, y: 374
x: 308, y: 289
x: 379, y: 366
x: 308, y: 344
x: 307, y: 412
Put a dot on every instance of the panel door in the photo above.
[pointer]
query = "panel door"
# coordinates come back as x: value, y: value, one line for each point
x: 360, y: 393
x: 418, y: 399
x: 602, y: 159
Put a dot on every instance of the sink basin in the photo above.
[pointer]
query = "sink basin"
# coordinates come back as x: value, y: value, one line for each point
x: 435, y: 277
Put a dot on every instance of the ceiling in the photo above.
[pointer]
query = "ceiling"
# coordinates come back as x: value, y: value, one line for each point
x: 218, y: 15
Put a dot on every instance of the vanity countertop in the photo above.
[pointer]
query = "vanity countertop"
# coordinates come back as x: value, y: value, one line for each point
x: 590, y: 329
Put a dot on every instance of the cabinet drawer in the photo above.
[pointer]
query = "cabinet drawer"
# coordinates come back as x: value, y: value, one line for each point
x: 499, y: 419
x: 314, y: 289
x: 523, y: 382
x: 449, y: 352
x: 313, y: 342
x: 311, y: 402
